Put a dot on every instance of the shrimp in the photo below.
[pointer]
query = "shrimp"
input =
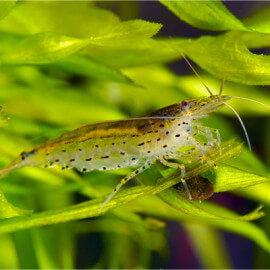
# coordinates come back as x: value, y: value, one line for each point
x: 133, y: 143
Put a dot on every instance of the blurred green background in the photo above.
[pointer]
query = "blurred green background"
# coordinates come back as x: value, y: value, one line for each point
x: 67, y: 64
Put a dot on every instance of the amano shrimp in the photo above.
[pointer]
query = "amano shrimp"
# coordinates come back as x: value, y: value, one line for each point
x: 132, y: 143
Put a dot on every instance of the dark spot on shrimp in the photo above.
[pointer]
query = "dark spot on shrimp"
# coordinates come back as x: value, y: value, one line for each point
x: 84, y: 170
x: 57, y: 160
x: 104, y: 168
x: 80, y: 149
x: 105, y: 157
x: 137, y: 172
x: 177, y: 135
x: 88, y: 159
x: 148, y: 151
x: 64, y: 150
x: 118, y: 166
x: 46, y: 165
x: 51, y: 163
x: 140, y: 144
x: 141, y: 127
x: 24, y: 155
x: 134, y: 158
x: 72, y: 160
x: 161, y: 125
x: 133, y: 135
x: 97, y: 146
x: 158, y: 139
x: 122, y: 153
x: 148, y: 141
x: 150, y: 131
x: 143, y: 167
x: 165, y: 145
x: 167, y: 132
x: 124, y: 142
x: 113, y: 143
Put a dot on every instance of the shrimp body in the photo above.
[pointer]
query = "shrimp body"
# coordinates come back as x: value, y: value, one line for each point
x: 128, y: 143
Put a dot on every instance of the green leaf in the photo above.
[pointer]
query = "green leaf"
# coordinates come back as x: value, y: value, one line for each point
x: 230, y: 178
x: 156, y: 208
x: 6, y: 7
x: 42, y: 48
x: 74, y: 19
x: 80, y: 65
x: 127, y: 32
x: 7, y: 210
x: 8, y: 253
x: 209, y: 246
x: 45, y: 249
x: 253, y: 40
x: 208, y: 15
x: 221, y: 54
x: 130, y: 54
x: 258, y: 193
x: 259, y: 21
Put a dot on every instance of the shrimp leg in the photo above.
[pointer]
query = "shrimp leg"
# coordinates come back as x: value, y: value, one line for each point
x: 183, y: 172
x: 209, y: 134
x: 147, y: 164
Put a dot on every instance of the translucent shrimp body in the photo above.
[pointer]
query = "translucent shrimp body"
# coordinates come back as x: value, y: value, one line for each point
x: 130, y: 143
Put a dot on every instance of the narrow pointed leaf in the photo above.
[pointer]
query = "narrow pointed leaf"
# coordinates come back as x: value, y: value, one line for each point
x: 231, y: 178
x: 7, y: 210
x: 221, y: 54
x: 42, y: 48
x: 85, y: 66
x: 127, y: 32
x: 259, y: 21
x: 209, y: 246
x: 208, y: 15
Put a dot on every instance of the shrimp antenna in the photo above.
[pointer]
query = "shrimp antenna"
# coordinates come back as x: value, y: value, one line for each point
x: 223, y: 79
x: 196, y: 73
x: 221, y: 85
x: 199, y: 77
x: 241, y: 122
x: 267, y: 106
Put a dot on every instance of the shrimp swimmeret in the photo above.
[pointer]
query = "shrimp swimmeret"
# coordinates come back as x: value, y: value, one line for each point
x: 132, y: 143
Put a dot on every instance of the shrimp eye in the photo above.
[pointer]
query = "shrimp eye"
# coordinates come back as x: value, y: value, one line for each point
x: 185, y: 105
